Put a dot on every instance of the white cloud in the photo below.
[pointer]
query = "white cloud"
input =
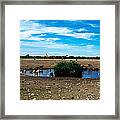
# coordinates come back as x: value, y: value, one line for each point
x: 87, y: 36
x: 28, y: 28
x: 42, y: 35
x: 29, y: 25
x: 93, y: 25
x: 51, y: 39
x: 48, y: 45
x: 81, y: 30
x: 89, y: 46
x: 42, y: 30
x: 62, y: 49
x: 35, y: 38
x: 59, y: 30
x: 35, y: 28
x: 60, y: 46
x: 41, y: 39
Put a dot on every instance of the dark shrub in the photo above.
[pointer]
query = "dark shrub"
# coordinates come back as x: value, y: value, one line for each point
x: 68, y: 69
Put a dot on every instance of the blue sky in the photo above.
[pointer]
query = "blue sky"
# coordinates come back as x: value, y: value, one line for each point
x: 60, y: 37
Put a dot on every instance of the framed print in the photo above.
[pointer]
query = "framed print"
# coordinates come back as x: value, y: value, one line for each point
x: 59, y: 59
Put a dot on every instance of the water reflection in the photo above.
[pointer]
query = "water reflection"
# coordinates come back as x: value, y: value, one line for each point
x: 50, y: 73
x: 91, y: 74
x: 42, y: 73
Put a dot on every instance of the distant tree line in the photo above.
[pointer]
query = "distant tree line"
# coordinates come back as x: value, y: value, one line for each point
x: 59, y: 57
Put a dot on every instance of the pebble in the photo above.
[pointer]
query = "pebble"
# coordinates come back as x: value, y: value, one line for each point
x: 32, y: 93
x: 49, y: 91
x: 34, y: 98
x: 59, y: 90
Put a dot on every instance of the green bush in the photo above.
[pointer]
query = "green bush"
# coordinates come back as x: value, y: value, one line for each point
x: 68, y: 69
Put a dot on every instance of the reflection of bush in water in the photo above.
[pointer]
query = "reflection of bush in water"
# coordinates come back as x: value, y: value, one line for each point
x: 68, y: 69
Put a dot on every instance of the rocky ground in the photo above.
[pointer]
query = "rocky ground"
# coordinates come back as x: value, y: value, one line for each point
x: 36, y: 88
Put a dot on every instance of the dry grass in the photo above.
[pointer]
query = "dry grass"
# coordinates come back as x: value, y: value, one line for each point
x: 47, y: 63
x: 59, y: 88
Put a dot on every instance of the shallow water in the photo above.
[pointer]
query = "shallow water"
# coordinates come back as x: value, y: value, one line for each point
x: 50, y: 73
x: 91, y: 74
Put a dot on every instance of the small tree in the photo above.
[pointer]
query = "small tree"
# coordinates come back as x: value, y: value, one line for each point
x: 27, y: 56
x: 68, y: 69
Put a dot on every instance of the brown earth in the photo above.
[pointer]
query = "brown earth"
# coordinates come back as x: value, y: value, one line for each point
x: 49, y: 63
x: 61, y: 88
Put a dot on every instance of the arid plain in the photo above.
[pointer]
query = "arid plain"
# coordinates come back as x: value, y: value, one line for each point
x: 58, y: 88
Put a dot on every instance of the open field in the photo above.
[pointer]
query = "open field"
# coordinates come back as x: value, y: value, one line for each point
x: 49, y: 63
x: 61, y: 88
x: 58, y: 88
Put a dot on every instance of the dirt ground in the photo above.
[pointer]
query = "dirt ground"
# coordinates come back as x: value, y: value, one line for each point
x: 49, y: 63
x: 61, y: 88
